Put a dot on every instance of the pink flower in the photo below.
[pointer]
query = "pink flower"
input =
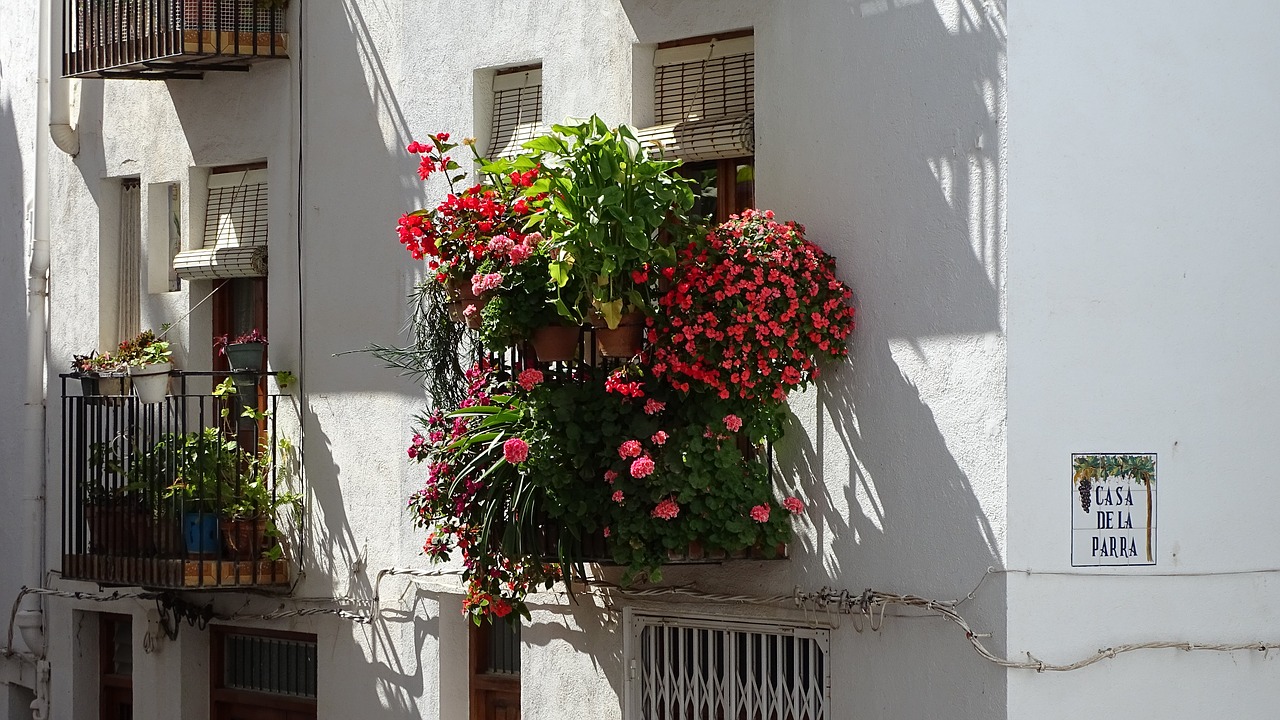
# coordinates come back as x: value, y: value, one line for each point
x: 606, y: 531
x: 653, y: 407
x: 642, y: 467
x: 530, y: 378
x: 760, y: 513
x: 519, y: 254
x: 733, y: 422
x: 659, y: 438
x: 610, y: 476
x: 418, y: 439
x: 469, y: 310
x: 484, y: 283
x: 666, y: 510
x: 413, y: 451
x: 794, y: 504
x: 617, y: 496
x: 501, y: 245
x: 515, y: 450
x: 629, y: 449
x: 532, y: 239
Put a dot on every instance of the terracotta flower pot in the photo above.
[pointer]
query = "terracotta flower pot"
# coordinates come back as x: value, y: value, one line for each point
x: 245, y: 539
x: 464, y: 305
x: 556, y: 343
x: 624, y: 341
x: 118, y: 531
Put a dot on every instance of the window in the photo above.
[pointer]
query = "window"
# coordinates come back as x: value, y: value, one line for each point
x: 517, y: 110
x: 115, y: 667
x: 494, y: 675
x: 694, y: 669
x: 234, y: 244
x: 704, y: 98
x: 704, y: 106
x: 263, y: 674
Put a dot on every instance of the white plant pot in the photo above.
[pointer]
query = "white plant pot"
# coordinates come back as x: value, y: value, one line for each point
x: 151, y: 382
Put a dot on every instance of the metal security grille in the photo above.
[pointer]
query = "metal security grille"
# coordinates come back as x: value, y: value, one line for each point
x: 517, y: 110
x: 504, y: 647
x: 709, y: 80
x: 682, y: 669
x: 269, y: 665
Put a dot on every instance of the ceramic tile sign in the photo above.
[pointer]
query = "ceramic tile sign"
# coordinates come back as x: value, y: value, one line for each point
x: 1113, y: 516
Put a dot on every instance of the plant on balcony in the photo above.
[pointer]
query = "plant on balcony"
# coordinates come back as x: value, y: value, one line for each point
x: 652, y: 457
x: 246, y: 356
x: 253, y: 512
x: 610, y: 203
x: 149, y: 361
x: 101, y: 374
x: 751, y: 312
x: 203, y: 474
x: 455, y: 237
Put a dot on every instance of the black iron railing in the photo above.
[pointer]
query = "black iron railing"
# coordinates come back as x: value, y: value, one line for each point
x: 195, y: 491
x: 167, y: 39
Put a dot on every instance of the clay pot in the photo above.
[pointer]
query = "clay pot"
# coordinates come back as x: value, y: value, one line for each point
x: 624, y: 341
x: 245, y: 539
x: 118, y: 531
x: 461, y: 298
x: 556, y: 343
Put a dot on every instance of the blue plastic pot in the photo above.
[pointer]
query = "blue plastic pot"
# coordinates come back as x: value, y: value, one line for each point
x: 200, y: 533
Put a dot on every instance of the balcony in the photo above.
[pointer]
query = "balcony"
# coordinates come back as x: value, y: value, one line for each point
x: 167, y: 39
x: 194, y: 492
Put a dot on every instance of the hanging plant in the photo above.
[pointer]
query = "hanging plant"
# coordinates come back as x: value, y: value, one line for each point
x: 751, y: 312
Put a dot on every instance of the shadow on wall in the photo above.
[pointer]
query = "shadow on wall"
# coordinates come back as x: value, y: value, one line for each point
x: 896, y: 122
x: 14, y: 531
x: 353, y: 191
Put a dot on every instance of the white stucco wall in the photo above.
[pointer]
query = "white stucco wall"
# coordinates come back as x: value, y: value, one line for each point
x: 1142, y: 163
x: 879, y: 126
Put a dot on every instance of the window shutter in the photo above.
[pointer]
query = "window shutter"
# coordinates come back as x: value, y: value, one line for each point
x: 704, y: 100
x: 128, y: 300
x: 235, y: 229
x: 517, y: 111
x: 707, y: 80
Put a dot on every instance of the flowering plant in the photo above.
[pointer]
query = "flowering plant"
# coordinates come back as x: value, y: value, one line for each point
x: 751, y: 311
x: 479, y: 497
x: 609, y: 204
x: 141, y: 350
x: 457, y: 236
x: 220, y: 342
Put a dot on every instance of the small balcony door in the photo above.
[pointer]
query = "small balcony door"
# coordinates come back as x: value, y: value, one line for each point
x: 495, y: 670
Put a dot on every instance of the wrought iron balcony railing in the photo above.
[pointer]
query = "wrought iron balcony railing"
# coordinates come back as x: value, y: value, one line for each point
x: 167, y: 39
x: 195, y: 492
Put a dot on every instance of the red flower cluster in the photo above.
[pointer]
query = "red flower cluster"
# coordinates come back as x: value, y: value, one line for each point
x: 750, y: 311
x: 616, y: 383
x: 455, y: 236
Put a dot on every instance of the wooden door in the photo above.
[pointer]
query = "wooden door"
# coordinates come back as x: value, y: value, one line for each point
x: 495, y: 670
x: 115, y: 667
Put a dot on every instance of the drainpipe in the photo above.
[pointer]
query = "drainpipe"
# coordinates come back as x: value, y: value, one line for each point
x: 64, y: 136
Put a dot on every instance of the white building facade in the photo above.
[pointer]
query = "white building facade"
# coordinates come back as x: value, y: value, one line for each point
x: 1119, y: 214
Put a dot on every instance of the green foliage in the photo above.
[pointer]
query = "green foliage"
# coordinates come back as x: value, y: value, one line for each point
x: 610, y: 202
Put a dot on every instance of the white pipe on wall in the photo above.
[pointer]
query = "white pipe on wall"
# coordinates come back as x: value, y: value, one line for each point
x: 64, y: 136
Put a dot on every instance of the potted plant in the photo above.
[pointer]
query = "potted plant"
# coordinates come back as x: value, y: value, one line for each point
x: 459, y: 236
x: 101, y: 375
x: 251, y: 516
x: 247, y: 356
x: 205, y: 468
x: 610, y: 206
x: 115, y: 505
x: 149, y: 363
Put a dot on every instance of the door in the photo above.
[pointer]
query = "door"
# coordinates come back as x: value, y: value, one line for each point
x: 262, y: 675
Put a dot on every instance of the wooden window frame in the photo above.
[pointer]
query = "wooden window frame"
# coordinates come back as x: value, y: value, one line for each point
x: 108, y: 680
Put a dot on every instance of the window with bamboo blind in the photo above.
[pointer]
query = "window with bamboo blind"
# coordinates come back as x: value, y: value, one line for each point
x: 517, y: 110
x: 235, y: 227
x: 704, y: 98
